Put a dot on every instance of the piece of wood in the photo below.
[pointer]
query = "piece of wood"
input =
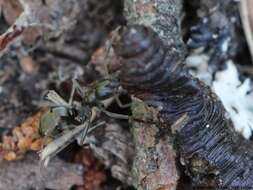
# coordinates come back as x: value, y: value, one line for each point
x: 247, y: 20
x: 154, y: 164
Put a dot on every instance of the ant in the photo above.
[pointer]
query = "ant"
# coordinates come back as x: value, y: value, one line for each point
x: 66, y: 121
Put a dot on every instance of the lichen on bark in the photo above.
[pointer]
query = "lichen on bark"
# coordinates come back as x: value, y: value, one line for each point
x: 154, y: 164
x: 163, y: 16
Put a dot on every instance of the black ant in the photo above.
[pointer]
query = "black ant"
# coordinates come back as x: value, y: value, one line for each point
x: 72, y: 120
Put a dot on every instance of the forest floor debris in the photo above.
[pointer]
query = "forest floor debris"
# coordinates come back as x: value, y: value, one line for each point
x: 26, y: 72
x: 29, y: 174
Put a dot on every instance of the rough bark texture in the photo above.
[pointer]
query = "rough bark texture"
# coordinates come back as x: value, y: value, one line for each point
x: 164, y: 16
x: 113, y: 146
x: 154, y: 161
x: 213, y: 154
x: 154, y: 165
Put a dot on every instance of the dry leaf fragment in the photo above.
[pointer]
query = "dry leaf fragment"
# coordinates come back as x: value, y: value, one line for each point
x: 9, y: 36
x: 11, y: 10
x: 95, y: 174
x: 37, y: 145
x: 28, y: 64
x: 24, y: 138
x: 10, y: 156
x: 24, y: 144
x: 37, y: 15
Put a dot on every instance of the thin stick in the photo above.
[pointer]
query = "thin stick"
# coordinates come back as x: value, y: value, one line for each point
x: 245, y: 17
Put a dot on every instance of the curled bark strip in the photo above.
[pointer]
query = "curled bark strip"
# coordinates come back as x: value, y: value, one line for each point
x: 247, y: 20
x: 9, y: 36
x: 211, y: 151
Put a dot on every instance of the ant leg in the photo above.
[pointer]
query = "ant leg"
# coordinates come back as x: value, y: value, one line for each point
x: 108, y: 49
x: 120, y: 104
x: 83, y: 135
x: 75, y: 86
x: 115, y: 115
x: 56, y: 99
x: 61, y: 142
x: 96, y: 126
x: 81, y: 141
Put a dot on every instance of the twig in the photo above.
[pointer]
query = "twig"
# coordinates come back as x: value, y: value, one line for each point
x: 245, y: 16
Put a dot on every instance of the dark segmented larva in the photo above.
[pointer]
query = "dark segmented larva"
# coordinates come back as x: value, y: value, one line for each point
x: 208, y: 144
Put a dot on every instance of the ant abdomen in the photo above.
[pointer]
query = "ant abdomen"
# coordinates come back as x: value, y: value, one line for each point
x: 154, y: 73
